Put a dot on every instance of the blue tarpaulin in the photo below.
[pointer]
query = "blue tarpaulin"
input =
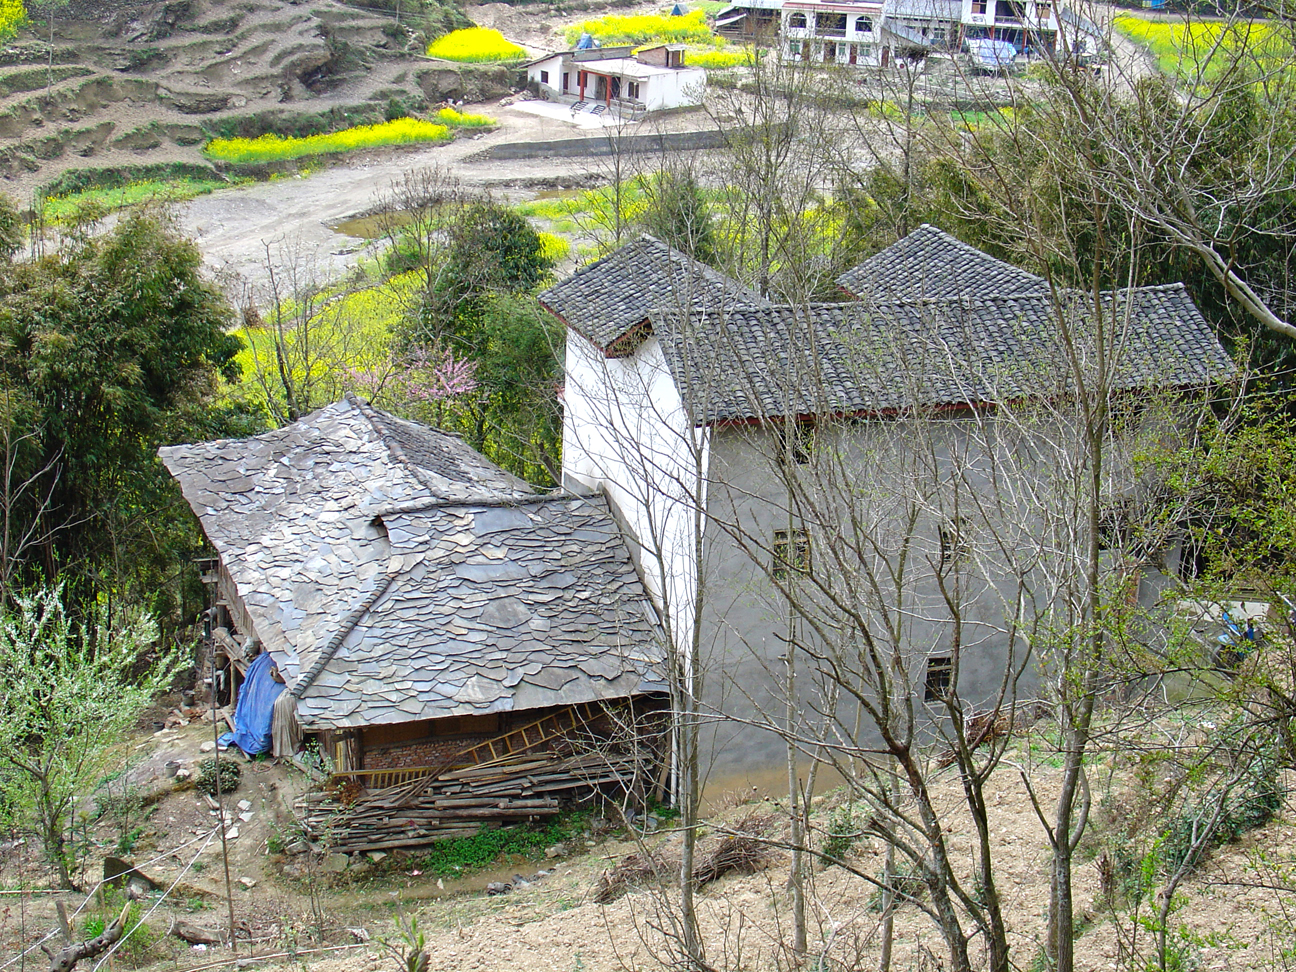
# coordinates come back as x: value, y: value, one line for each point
x: 992, y: 55
x: 678, y: 11
x: 585, y: 43
x: 255, y: 709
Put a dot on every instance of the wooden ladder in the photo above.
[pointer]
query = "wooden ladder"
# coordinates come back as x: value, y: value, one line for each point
x: 531, y: 736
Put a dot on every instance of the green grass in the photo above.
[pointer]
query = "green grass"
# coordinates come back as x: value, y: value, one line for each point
x: 463, y: 855
x: 59, y: 209
x: 692, y: 28
x: 275, y: 148
x: 475, y: 45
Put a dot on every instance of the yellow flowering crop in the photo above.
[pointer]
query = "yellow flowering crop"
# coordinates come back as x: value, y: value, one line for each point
x: 12, y: 16
x: 463, y: 119
x: 718, y: 60
x: 645, y: 28
x: 276, y: 148
x: 475, y: 45
x: 1184, y: 48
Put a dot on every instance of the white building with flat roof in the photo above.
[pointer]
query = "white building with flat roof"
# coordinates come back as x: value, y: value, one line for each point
x: 619, y: 79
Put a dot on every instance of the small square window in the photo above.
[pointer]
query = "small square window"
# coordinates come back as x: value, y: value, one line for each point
x: 802, y: 445
x: 791, y: 550
x: 940, y: 679
x: 544, y: 77
x: 979, y: 6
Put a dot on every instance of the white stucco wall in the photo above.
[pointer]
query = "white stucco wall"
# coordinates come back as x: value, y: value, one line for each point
x: 625, y: 431
x: 680, y: 88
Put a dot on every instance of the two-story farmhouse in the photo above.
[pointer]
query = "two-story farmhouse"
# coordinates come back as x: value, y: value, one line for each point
x: 872, y: 34
x: 688, y: 400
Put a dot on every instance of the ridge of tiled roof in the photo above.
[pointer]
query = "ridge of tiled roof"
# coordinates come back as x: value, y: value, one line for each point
x: 931, y: 264
x: 351, y: 518
x: 885, y: 356
x: 607, y: 299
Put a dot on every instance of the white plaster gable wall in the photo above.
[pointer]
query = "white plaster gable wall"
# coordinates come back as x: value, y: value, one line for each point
x: 626, y: 432
x: 676, y: 89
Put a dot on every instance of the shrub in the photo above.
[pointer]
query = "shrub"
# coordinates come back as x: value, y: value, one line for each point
x: 230, y: 774
x: 463, y: 119
x: 273, y: 148
x: 845, y: 828
x: 475, y: 45
x: 645, y: 28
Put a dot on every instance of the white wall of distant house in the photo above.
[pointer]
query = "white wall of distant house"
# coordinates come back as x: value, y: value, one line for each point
x: 678, y: 88
x: 626, y: 432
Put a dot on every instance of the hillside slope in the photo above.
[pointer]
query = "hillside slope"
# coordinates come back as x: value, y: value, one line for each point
x: 136, y: 84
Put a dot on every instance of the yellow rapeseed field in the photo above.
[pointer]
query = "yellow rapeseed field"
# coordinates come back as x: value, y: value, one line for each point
x: 718, y: 60
x: 12, y: 16
x: 1185, y: 48
x: 691, y: 28
x: 276, y: 148
x: 463, y: 119
x: 475, y: 45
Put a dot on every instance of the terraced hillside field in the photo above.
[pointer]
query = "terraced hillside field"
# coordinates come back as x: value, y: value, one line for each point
x: 129, y: 84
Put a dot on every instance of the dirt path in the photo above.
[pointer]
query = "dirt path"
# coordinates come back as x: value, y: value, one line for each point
x: 294, y: 217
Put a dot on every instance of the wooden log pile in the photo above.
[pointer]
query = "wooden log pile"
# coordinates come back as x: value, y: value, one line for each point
x: 459, y: 802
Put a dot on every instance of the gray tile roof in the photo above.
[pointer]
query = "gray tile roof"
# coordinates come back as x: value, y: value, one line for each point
x: 606, y: 300
x: 396, y: 574
x: 885, y: 356
x: 931, y: 264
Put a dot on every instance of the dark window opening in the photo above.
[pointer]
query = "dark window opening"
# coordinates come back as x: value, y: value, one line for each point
x: 1113, y: 528
x: 830, y: 25
x: 544, y: 77
x: 799, y: 449
x: 1009, y: 9
x: 791, y: 551
x: 797, y: 21
x: 979, y: 6
x: 953, y: 542
x: 940, y: 679
x: 1193, y: 562
x: 863, y: 24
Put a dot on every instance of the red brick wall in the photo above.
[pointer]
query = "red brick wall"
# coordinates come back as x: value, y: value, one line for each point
x: 426, y: 752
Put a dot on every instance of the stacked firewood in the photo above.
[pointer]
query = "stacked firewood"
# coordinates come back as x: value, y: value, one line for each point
x: 459, y: 802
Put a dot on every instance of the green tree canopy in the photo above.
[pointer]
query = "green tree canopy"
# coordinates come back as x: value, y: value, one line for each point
x: 110, y: 346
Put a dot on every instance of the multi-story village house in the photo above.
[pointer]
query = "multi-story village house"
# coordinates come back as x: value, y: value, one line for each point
x: 688, y: 396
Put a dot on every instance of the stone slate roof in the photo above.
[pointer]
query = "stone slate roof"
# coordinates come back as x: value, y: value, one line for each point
x: 606, y: 300
x: 880, y: 357
x: 930, y: 264
x: 396, y: 574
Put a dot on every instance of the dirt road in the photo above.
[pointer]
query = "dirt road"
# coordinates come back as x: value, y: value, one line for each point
x: 293, y: 218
